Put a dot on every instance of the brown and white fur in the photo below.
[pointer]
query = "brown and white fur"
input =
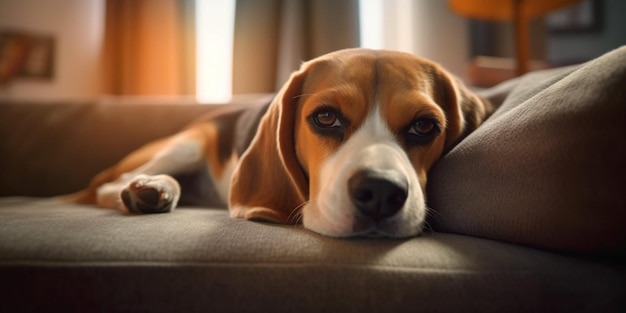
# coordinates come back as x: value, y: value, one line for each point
x: 344, y: 148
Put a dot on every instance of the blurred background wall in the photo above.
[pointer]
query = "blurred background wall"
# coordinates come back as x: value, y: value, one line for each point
x: 147, y: 47
x: 77, y: 28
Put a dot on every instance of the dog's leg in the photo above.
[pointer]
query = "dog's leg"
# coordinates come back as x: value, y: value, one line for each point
x: 150, y: 187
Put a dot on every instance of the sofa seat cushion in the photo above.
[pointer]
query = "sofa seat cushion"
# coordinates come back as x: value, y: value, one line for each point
x: 72, y: 256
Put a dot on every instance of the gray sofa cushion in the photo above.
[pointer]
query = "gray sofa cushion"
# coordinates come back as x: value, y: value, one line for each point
x: 81, y: 258
x: 548, y: 168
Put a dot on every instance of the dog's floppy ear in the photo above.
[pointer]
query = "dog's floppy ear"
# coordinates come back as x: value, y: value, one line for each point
x: 268, y: 183
x: 464, y: 109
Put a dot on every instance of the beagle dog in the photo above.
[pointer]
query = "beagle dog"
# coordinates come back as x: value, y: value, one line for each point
x: 344, y: 148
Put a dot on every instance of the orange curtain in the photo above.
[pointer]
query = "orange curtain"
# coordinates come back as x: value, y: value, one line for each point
x: 149, y: 48
x: 150, y: 44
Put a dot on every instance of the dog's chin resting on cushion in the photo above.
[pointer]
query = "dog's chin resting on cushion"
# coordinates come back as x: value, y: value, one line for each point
x: 344, y: 148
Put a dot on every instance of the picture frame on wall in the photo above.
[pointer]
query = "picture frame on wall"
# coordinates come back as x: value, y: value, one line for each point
x: 26, y: 55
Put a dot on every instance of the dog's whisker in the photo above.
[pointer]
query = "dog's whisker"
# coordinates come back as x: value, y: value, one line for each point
x: 295, y: 217
x: 434, y: 214
x: 428, y: 227
x: 303, y: 95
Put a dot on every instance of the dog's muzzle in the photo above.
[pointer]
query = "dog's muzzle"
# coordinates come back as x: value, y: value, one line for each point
x: 378, y: 194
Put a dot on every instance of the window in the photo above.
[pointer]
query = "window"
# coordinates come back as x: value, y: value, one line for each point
x: 215, y: 24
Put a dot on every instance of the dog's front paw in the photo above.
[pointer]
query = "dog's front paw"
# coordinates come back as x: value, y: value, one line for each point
x: 151, y: 194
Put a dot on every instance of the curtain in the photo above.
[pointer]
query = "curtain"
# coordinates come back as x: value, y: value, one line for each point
x: 149, y: 47
x: 273, y: 37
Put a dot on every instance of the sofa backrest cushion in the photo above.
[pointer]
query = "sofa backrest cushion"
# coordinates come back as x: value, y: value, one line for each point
x: 56, y: 148
x: 548, y: 168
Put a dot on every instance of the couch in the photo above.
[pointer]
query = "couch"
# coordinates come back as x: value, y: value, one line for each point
x: 527, y: 214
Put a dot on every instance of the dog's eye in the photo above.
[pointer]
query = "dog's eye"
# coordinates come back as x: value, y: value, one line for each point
x: 328, y: 122
x: 423, y: 127
x: 327, y: 119
x: 421, y: 131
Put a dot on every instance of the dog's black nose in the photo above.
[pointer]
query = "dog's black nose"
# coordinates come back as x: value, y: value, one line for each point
x: 378, y: 194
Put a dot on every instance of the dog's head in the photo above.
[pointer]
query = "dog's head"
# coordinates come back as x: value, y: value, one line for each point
x: 346, y: 145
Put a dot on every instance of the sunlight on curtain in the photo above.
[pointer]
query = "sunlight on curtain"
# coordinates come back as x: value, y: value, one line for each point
x: 371, y: 24
x: 386, y: 24
x: 427, y: 28
x: 215, y: 22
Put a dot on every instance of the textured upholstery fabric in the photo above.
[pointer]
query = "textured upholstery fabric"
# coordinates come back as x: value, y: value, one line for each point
x: 84, y: 258
x: 547, y: 169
